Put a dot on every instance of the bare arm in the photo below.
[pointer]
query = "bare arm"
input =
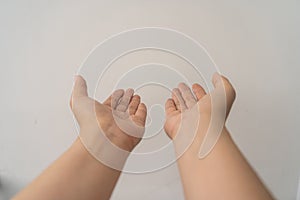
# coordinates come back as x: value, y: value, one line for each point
x: 77, y: 174
x: 224, y: 173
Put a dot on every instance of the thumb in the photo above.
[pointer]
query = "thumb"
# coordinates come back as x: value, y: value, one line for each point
x: 222, y: 83
x: 80, y: 87
x: 217, y: 80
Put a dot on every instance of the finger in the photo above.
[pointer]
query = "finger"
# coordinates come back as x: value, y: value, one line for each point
x: 187, y: 95
x: 134, y: 103
x: 141, y: 113
x: 124, y: 102
x: 115, y: 98
x: 217, y: 80
x: 198, y: 91
x: 170, y: 106
x: 178, y: 99
x: 108, y: 101
x: 80, y: 87
x: 221, y: 81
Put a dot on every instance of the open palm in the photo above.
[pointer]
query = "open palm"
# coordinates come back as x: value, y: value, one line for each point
x: 184, y: 99
x: 90, y: 114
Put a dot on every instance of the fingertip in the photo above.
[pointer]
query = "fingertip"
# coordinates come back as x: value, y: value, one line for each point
x: 130, y: 91
x: 142, y: 109
x: 223, y: 82
x: 220, y: 80
x: 80, y: 86
x: 142, y: 112
x: 78, y: 79
x: 175, y: 91
x: 216, y: 74
x: 229, y: 87
x: 115, y: 97
x: 128, y: 94
x: 135, y: 100
x: 216, y: 78
x: 77, y: 76
x: 198, y: 90
x: 168, y: 101
x: 137, y: 96
x: 182, y: 84
x: 143, y: 105
x: 118, y: 92
x: 175, y: 94
x: 134, y: 103
x: 195, y: 86
x: 125, y: 99
x: 170, y: 106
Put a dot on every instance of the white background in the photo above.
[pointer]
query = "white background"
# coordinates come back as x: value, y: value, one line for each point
x: 255, y: 43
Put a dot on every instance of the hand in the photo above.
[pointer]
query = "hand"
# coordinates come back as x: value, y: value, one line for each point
x: 183, y: 100
x: 90, y: 114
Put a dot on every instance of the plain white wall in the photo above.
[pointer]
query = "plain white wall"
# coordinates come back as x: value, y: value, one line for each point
x: 255, y: 43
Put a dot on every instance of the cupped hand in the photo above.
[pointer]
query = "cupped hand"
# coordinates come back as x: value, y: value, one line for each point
x: 92, y: 115
x: 184, y: 99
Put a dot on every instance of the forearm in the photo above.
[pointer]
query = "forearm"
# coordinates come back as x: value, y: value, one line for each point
x: 75, y: 175
x: 223, y: 174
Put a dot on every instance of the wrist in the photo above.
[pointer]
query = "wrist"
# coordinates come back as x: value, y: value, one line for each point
x: 82, y: 153
x: 191, y: 137
x: 111, y: 137
x: 99, y: 148
x: 120, y: 141
x: 195, y: 144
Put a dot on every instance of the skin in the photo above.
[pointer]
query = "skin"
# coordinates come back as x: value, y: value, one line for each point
x: 77, y: 174
x: 224, y: 173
